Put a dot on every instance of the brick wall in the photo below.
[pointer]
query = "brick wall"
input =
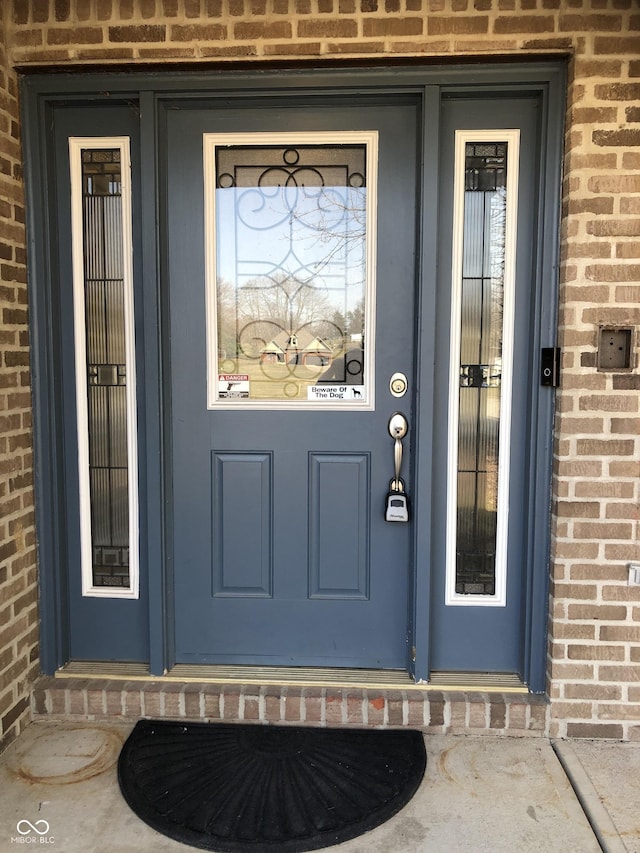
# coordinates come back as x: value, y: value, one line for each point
x: 594, y: 650
x: 18, y: 590
x: 595, y: 624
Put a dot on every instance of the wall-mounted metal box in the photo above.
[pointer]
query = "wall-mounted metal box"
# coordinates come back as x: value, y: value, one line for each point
x: 614, y: 348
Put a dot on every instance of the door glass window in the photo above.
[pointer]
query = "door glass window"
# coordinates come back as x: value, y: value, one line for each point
x: 482, y: 346
x: 290, y: 243
x: 105, y: 365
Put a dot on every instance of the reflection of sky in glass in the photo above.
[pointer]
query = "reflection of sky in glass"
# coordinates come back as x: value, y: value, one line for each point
x: 313, y: 235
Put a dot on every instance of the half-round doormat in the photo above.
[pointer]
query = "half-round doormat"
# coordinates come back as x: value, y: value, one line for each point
x: 269, y: 789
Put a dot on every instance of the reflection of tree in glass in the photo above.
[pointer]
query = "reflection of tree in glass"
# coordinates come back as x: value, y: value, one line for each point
x: 281, y: 303
x: 225, y: 307
x: 335, y: 229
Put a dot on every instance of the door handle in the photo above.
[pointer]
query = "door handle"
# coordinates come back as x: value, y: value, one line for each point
x: 398, y: 428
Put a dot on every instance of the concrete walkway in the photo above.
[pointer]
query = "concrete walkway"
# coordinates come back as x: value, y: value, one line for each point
x: 58, y: 788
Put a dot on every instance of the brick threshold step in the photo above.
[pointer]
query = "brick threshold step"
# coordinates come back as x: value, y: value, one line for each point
x: 432, y: 710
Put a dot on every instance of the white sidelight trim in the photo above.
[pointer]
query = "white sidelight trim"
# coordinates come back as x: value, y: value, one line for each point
x: 211, y: 141
x: 462, y: 137
x: 76, y: 146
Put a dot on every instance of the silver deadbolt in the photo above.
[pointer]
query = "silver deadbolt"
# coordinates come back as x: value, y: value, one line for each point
x: 398, y: 385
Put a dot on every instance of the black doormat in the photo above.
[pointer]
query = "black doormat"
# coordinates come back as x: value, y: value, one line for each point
x: 264, y: 788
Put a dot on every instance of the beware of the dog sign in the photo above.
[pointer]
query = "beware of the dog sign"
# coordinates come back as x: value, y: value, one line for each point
x: 333, y: 393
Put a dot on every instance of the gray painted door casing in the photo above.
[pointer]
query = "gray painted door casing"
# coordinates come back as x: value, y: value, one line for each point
x: 46, y: 96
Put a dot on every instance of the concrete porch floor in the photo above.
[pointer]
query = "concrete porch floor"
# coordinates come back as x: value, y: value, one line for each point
x: 59, y: 788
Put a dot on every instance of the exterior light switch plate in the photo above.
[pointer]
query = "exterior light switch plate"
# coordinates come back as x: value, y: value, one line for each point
x: 634, y: 574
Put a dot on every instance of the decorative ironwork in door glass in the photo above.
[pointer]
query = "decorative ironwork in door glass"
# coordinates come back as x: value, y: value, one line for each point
x: 106, y: 366
x: 481, y: 366
x: 101, y: 233
x: 291, y: 250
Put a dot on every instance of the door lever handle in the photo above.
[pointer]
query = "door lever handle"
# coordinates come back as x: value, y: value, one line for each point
x: 398, y: 428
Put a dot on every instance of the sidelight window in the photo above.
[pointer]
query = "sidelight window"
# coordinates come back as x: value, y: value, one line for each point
x: 105, y: 365
x: 483, y: 286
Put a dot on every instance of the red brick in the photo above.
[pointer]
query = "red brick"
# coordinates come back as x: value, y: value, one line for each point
x: 457, y: 24
x: 355, y: 709
x: 571, y: 631
x: 252, y: 709
x: 141, y: 33
x: 537, y: 717
x: 312, y: 703
x: 194, y: 32
x: 231, y: 706
x: 416, y: 710
x: 604, y: 446
x: 106, y: 53
x: 621, y: 551
x: 272, y: 706
x: 524, y: 24
x: 618, y: 138
x: 151, y: 698
x: 436, y: 712
x: 612, y: 272
x: 104, y: 9
x: 594, y: 115
x: 618, y: 91
x: 132, y: 700
x: 212, y: 706
x: 333, y: 708
x: 606, y: 488
x: 75, y: 36
x: 626, y: 381
x: 603, y: 530
x: 548, y: 43
x: 620, y: 674
x: 596, y: 652
x: 382, y: 27
x: 258, y: 30
x: 114, y: 701
x: 592, y: 691
x: 292, y: 708
x: 376, y: 710
x: 578, y: 509
x: 604, y: 612
x: 620, y: 593
x: 517, y: 716
x: 590, y: 23
x: 313, y: 28
x: 617, y: 45
x: 614, y: 228
x: 62, y: 10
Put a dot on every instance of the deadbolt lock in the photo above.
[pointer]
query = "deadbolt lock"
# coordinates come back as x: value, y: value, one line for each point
x: 398, y: 384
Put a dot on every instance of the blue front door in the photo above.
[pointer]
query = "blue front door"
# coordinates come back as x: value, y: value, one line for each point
x: 291, y: 269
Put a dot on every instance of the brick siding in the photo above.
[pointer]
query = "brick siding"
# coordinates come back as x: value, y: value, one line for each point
x: 432, y: 711
x: 18, y: 588
x: 594, y: 648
